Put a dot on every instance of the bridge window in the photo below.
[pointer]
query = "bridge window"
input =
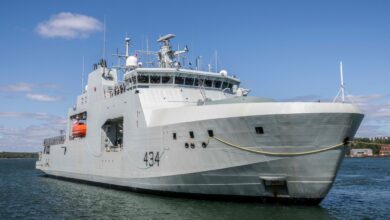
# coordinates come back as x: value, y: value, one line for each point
x: 208, y: 83
x: 155, y: 79
x: 224, y: 85
x: 143, y: 79
x: 217, y: 84
x: 189, y: 81
x: 179, y: 80
x: 166, y: 79
x: 197, y: 81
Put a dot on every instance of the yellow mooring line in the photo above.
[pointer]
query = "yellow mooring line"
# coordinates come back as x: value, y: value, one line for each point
x: 269, y: 153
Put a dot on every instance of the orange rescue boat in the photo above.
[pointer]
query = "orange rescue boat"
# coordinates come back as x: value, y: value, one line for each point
x: 79, y: 130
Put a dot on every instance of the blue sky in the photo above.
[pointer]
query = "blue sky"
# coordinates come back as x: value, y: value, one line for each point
x: 287, y: 50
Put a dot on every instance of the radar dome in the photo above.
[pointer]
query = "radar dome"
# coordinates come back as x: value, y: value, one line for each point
x: 132, y: 62
x: 223, y: 73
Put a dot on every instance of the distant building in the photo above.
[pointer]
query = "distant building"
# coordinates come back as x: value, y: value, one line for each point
x: 379, y: 138
x: 361, y: 153
x: 384, y: 151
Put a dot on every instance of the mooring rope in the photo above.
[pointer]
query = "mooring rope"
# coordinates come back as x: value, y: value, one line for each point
x: 269, y: 153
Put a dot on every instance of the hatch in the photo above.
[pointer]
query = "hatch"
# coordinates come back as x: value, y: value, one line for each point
x: 112, y: 135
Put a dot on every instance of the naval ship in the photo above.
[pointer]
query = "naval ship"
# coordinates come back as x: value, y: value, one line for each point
x: 178, y: 130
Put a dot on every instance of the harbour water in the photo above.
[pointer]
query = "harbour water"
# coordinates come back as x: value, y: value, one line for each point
x: 361, y: 191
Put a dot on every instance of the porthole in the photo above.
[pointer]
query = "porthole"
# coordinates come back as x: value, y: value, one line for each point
x: 211, y: 133
x: 204, y: 145
x: 192, y: 145
x: 186, y: 145
x: 259, y: 130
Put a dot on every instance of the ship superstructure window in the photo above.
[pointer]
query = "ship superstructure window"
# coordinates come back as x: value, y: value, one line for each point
x: 174, y: 136
x: 224, y: 85
x: 46, y: 150
x: 143, y: 79
x: 259, y: 130
x: 146, y: 79
x: 155, y: 79
x: 192, y: 134
x: 217, y: 84
x: 166, y: 80
x: 197, y: 82
x: 211, y: 133
x: 189, y: 81
x: 208, y: 83
x: 179, y: 80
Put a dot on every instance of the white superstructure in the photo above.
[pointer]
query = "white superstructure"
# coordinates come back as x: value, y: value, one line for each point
x: 170, y: 129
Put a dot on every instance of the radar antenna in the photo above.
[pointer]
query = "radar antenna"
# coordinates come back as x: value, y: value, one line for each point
x: 166, y: 55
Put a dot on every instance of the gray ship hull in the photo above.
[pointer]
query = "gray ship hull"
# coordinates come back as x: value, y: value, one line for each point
x: 243, y: 182
x: 220, y: 170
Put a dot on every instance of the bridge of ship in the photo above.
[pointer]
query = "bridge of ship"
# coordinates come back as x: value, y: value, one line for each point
x: 147, y: 77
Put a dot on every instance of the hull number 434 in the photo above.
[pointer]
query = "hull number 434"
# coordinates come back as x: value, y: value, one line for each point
x: 152, y: 158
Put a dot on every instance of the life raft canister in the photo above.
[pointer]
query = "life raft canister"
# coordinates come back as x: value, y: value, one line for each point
x: 79, y: 130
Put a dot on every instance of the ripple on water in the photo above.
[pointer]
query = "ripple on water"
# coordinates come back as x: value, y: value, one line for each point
x: 361, y: 191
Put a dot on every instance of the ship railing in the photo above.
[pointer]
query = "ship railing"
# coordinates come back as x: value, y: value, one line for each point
x: 54, y: 140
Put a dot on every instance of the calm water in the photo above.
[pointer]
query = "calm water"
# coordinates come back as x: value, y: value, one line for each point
x: 361, y: 191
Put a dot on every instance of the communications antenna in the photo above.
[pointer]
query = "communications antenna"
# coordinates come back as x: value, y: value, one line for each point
x: 82, y: 78
x: 104, y: 46
x: 216, y: 61
x: 341, y: 91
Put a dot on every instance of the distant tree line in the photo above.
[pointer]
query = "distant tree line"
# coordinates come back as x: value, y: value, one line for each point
x: 370, y: 143
x: 18, y: 155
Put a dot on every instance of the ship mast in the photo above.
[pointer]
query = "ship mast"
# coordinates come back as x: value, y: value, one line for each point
x: 342, y: 82
x: 341, y: 91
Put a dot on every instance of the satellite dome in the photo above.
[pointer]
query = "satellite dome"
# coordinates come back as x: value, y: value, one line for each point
x: 132, y: 62
x: 223, y: 73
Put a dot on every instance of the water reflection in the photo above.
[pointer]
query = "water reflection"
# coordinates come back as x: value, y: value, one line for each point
x: 360, y: 191
x: 97, y: 202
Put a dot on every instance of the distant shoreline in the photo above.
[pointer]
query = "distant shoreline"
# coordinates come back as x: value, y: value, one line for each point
x: 15, y: 155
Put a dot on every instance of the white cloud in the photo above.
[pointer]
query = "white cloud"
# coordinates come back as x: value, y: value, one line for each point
x: 29, y: 138
x: 27, y: 87
x: 18, y: 87
x: 38, y: 116
x: 376, y: 108
x: 364, y: 99
x: 42, y: 97
x: 68, y: 25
